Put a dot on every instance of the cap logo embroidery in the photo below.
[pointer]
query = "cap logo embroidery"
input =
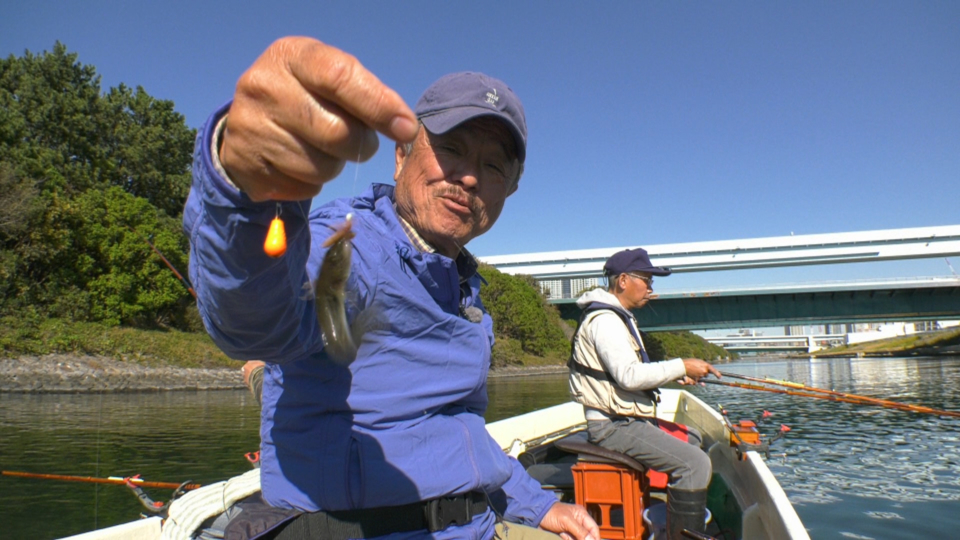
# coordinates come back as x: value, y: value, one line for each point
x: 492, y: 97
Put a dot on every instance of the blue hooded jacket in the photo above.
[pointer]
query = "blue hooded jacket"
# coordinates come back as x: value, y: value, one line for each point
x: 404, y: 421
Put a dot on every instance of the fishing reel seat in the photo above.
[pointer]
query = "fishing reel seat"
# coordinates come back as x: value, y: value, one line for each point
x: 613, y: 487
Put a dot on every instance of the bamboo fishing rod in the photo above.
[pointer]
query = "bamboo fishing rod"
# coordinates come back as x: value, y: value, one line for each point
x: 875, y: 401
x: 839, y: 398
x: 94, y: 480
x: 166, y: 262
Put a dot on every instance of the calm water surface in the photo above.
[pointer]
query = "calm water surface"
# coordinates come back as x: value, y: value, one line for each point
x: 851, y: 471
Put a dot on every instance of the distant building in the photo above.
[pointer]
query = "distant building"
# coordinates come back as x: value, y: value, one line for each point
x: 566, y: 287
x: 552, y: 288
x: 926, y: 326
x: 578, y: 285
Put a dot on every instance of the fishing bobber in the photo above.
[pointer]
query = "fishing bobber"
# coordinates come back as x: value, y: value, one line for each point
x: 611, y: 486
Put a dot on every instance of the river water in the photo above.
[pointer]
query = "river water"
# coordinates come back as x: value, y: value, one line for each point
x: 851, y: 471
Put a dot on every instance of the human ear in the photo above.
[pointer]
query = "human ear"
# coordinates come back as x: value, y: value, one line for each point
x: 400, y: 157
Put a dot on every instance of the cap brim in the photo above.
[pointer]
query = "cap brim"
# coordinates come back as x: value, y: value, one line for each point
x: 443, y: 121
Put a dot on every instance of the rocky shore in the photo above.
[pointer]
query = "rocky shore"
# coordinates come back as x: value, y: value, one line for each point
x: 59, y: 373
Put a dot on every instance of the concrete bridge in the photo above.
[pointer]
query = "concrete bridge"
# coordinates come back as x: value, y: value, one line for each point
x: 778, y: 344
x: 562, y: 274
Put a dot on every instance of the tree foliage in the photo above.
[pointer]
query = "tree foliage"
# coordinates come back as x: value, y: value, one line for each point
x: 86, y: 177
x: 522, y: 317
x: 665, y: 345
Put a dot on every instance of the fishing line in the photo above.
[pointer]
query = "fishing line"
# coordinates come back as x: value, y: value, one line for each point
x: 356, y: 170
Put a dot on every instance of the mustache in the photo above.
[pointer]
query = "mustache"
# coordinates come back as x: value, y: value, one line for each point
x: 460, y: 196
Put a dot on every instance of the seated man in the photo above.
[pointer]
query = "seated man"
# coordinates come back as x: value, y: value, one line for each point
x: 611, y: 375
x: 390, y: 441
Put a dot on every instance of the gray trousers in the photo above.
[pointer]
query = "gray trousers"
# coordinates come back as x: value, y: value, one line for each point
x: 687, y: 465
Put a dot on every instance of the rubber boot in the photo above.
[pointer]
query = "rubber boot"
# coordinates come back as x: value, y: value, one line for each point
x: 686, y: 509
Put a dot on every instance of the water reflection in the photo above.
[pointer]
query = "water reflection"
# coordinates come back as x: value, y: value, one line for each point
x: 837, y: 448
x: 858, y: 471
x: 852, y: 471
x: 167, y: 437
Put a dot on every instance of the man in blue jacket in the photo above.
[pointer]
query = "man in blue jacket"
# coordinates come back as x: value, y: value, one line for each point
x: 394, y: 443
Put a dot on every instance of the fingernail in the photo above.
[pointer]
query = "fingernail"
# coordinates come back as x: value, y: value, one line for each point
x: 403, y: 128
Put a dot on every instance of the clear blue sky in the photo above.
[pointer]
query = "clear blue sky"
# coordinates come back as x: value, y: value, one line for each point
x: 650, y: 122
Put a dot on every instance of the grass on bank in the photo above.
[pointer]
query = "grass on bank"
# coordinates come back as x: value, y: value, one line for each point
x: 900, y: 345
x: 37, y: 337
x: 20, y: 337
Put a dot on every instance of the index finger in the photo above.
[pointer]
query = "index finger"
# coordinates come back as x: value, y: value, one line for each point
x: 340, y: 78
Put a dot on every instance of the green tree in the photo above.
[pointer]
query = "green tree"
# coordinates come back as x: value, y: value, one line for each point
x: 89, y: 167
x: 150, y: 149
x: 124, y: 281
x: 56, y: 127
x: 683, y: 344
x: 521, y: 314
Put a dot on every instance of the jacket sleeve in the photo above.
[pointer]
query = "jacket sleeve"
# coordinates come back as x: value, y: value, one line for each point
x: 521, y: 499
x: 251, y: 304
x: 613, y: 344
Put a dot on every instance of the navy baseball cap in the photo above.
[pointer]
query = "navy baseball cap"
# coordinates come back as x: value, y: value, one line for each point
x: 455, y: 98
x: 632, y: 260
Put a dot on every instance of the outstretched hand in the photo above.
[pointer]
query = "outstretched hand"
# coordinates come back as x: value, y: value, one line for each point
x: 696, y: 369
x: 571, y: 522
x: 299, y: 113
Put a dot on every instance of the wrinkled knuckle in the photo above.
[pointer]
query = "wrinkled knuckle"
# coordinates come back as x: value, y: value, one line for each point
x: 307, y: 113
x: 256, y: 85
x: 286, y: 48
x: 306, y: 46
x: 340, y: 70
x: 285, y: 43
x: 381, y: 106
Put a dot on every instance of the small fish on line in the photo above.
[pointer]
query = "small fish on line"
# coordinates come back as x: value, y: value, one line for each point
x: 330, y: 294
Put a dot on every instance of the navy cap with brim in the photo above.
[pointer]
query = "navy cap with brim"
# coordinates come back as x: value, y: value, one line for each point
x: 633, y: 260
x: 456, y: 98
x: 443, y: 121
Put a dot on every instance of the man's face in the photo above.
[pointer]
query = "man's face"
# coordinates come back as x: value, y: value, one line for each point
x: 452, y: 187
x: 637, y: 288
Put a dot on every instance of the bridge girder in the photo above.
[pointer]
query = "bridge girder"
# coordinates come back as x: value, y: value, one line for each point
x: 824, y: 303
x: 778, y: 251
x: 882, y: 303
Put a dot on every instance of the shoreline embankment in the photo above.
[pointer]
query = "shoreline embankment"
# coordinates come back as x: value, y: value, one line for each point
x: 77, y: 373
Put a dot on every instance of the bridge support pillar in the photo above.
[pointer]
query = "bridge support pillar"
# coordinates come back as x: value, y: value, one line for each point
x: 812, y: 344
